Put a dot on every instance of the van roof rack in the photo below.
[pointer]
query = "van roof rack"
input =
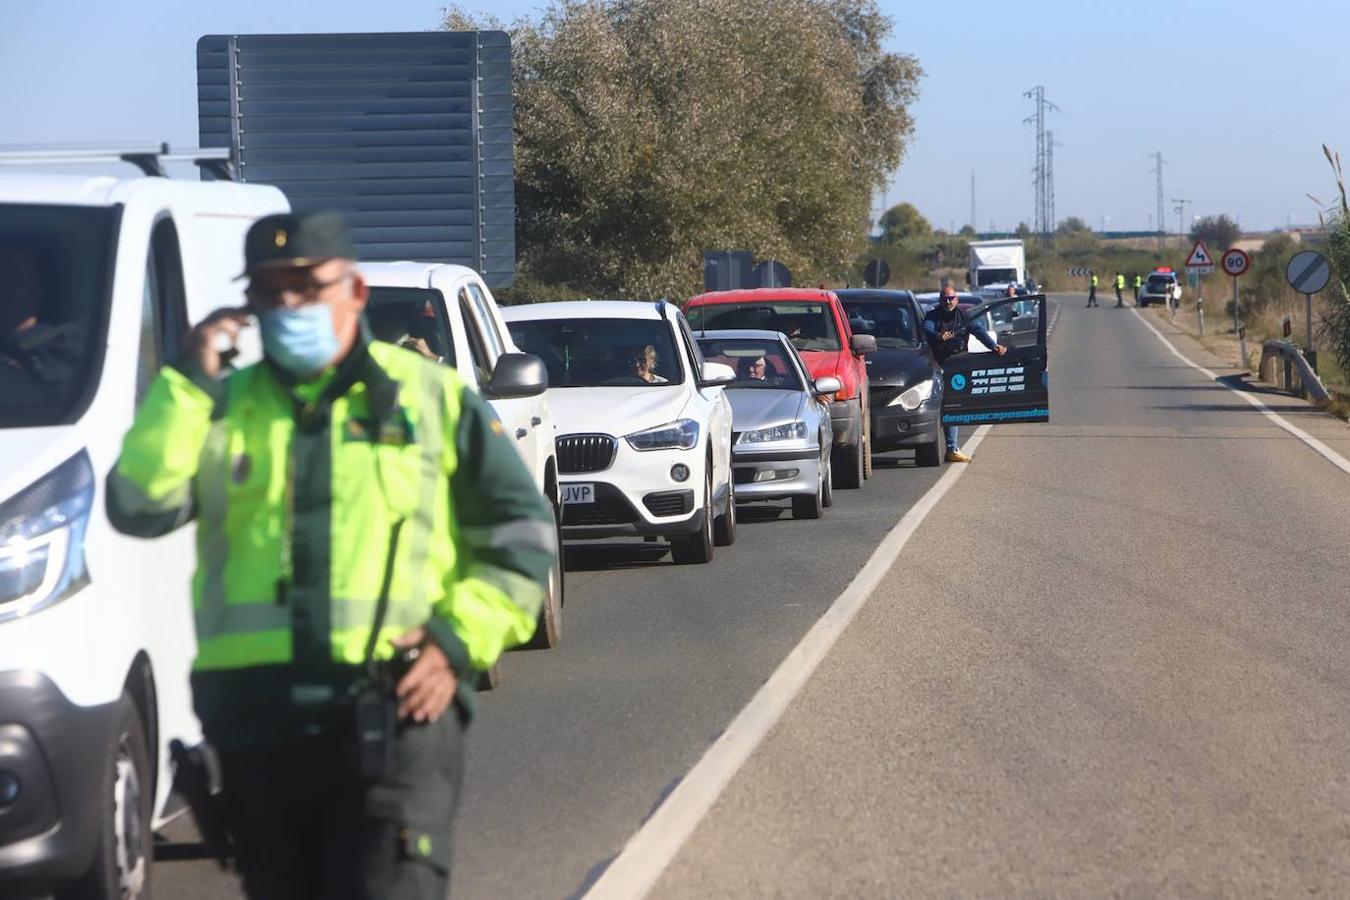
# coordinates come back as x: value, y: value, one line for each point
x: 149, y: 158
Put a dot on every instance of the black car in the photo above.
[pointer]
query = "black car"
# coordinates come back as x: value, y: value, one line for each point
x: 904, y: 378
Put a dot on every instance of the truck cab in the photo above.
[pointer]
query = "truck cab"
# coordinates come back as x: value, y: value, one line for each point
x: 96, y: 635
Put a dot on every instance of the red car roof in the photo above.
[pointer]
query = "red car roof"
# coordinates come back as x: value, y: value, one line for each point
x: 814, y: 295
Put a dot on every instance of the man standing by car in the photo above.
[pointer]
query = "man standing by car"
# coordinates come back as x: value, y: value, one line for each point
x: 1092, y: 289
x: 1120, y: 286
x: 367, y: 541
x: 1138, y: 283
x: 949, y: 332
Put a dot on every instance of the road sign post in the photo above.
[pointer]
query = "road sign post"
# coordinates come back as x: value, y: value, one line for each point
x: 1236, y: 263
x: 1308, y: 272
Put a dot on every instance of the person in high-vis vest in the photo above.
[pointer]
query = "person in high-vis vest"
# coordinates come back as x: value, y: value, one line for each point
x: 1120, y: 286
x: 1138, y: 283
x: 367, y: 541
x: 1092, y: 288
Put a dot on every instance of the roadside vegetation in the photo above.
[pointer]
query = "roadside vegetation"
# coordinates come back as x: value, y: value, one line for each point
x: 649, y: 132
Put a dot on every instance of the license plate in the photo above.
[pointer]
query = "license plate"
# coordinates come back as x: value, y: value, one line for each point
x: 578, y: 493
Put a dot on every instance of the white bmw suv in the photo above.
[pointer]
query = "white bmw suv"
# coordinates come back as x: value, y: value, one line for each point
x: 644, y: 424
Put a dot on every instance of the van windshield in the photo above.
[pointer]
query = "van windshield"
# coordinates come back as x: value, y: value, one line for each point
x: 995, y: 276
x: 412, y: 318
x: 55, y: 272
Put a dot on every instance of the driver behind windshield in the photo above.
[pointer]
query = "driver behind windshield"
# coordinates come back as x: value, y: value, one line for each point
x: 33, y: 354
x: 642, y: 363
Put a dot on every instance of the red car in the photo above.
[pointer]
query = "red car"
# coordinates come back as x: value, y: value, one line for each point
x: 817, y: 325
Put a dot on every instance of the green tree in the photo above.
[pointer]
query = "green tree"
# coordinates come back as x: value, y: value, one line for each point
x: 1218, y: 232
x: 1336, y: 328
x: 1023, y: 230
x: 902, y: 222
x: 649, y: 131
x: 967, y: 231
x: 1073, y: 225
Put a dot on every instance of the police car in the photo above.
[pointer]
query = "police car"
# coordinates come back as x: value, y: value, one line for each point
x: 1161, y: 286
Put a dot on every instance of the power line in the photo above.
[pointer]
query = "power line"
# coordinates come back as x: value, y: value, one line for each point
x: 1043, y: 191
x: 1158, y: 163
x: 1180, y: 210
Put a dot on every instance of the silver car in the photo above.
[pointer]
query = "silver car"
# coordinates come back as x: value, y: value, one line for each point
x: 781, y: 433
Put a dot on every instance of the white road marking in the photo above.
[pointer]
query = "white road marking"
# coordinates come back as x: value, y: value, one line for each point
x: 637, y: 868
x: 1331, y: 456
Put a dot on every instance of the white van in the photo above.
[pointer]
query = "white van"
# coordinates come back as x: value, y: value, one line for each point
x: 447, y: 311
x: 97, y: 277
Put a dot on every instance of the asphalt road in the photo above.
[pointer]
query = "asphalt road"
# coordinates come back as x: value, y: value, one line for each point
x: 569, y: 756
x: 1110, y: 662
x: 1117, y: 666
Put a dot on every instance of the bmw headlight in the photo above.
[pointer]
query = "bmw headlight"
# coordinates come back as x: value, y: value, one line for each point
x: 681, y: 435
x: 910, y: 399
x: 792, y: 431
x: 42, y: 539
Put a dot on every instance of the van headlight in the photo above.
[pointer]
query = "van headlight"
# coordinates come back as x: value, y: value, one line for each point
x: 911, y: 398
x: 679, y: 435
x: 792, y: 431
x: 42, y: 532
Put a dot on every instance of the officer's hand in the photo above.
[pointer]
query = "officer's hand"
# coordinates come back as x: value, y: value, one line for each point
x: 426, y: 691
x: 215, y: 337
x: 1000, y: 349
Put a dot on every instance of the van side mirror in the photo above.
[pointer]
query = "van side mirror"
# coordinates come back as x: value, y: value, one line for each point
x: 517, y: 375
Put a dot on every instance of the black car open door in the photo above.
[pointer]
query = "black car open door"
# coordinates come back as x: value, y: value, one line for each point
x: 981, y: 388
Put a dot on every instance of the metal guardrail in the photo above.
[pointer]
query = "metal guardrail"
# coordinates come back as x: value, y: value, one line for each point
x: 1283, y: 364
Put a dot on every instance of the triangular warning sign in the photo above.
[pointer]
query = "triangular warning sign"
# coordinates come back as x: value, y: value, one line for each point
x: 1199, y: 256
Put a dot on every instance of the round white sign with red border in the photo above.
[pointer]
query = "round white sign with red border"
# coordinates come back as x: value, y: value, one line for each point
x: 1236, y: 262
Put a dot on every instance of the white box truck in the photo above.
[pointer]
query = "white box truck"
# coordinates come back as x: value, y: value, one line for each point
x: 997, y: 263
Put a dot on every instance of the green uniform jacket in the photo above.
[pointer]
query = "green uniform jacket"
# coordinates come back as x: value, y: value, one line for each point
x: 383, y: 477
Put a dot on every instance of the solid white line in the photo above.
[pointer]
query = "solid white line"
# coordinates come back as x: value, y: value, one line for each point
x: 635, y: 871
x: 1331, y: 456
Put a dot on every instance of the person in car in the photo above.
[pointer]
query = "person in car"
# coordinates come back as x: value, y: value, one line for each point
x: 34, y: 356
x: 643, y: 362
x: 948, y: 333
x: 753, y: 369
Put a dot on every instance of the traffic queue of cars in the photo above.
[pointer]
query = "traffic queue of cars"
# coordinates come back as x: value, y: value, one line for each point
x: 635, y: 418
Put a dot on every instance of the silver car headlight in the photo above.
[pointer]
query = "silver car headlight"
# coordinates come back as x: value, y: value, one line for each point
x: 42, y: 532
x: 679, y: 435
x: 911, y: 398
x: 792, y: 431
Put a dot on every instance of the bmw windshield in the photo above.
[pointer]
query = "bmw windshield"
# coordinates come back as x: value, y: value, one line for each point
x: 601, y: 352
x: 55, y: 278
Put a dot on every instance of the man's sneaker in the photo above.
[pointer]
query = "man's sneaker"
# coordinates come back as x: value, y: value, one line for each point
x: 957, y: 456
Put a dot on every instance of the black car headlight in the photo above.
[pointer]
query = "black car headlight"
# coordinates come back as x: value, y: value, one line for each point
x: 42, y: 530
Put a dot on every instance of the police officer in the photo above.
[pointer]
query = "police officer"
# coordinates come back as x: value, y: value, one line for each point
x: 1138, y: 283
x: 948, y: 333
x: 1120, y: 286
x: 1092, y: 288
x: 367, y: 541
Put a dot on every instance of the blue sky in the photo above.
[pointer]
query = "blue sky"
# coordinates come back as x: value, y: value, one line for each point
x: 1238, y: 96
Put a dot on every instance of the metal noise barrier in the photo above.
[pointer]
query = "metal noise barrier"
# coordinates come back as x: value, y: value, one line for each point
x: 1295, y: 368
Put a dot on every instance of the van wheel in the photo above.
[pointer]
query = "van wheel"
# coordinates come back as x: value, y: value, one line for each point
x: 548, y: 631
x: 697, y: 548
x: 724, y: 527
x: 121, y: 865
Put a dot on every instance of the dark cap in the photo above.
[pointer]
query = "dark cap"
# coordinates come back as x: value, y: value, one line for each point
x: 284, y: 240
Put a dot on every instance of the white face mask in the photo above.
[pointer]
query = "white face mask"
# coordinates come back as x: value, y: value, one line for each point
x: 302, y: 341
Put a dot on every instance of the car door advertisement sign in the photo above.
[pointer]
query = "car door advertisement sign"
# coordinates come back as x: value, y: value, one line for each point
x: 984, y: 388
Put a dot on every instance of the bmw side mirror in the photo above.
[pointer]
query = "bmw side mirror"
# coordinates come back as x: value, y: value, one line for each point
x: 863, y: 344
x: 517, y: 375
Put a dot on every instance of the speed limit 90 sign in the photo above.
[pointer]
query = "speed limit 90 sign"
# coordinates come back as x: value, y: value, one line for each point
x: 1236, y: 262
